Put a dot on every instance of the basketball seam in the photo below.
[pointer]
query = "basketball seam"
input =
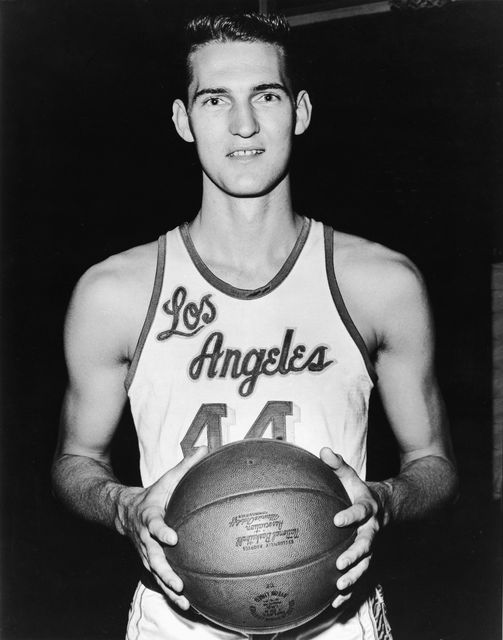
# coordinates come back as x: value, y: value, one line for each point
x: 291, y: 567
x: 248, y: 441
x: 227, y: 498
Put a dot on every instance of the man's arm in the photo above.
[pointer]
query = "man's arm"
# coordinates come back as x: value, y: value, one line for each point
x: 411, y: 398
x: 413, y: 403
x: 97, y: 334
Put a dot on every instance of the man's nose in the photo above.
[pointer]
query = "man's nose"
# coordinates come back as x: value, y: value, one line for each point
x: 244, y: 122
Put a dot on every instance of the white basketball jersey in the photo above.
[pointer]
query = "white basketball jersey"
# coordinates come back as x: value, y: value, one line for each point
x: 215, y: 363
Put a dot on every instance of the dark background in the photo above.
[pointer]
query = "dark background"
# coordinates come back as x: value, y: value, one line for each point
x: 404, y: 148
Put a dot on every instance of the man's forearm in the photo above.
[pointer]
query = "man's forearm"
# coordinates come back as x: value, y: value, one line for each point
x: 422, y: 486
x: 89, y: 488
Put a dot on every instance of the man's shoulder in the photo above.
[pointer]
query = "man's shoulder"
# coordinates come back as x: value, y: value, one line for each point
x: 380, y: 286
x: 111, y: 299
x: 372, y: 265
x: 359, y: 251
x: 122, y: 274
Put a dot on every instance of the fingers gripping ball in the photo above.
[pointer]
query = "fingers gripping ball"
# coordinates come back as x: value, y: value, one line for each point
x: 257, y: 545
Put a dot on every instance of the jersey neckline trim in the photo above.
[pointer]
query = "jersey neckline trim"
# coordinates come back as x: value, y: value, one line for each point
x: 236, y: 292
x: 152, y: 307
x: 340, y: 305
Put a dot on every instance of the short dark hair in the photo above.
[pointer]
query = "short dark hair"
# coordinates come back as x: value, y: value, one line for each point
x: 240, y: 27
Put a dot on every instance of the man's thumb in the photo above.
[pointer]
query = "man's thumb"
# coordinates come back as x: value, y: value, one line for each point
x: 193, y: 457
x: 333, y: 460
x: 174, y: 475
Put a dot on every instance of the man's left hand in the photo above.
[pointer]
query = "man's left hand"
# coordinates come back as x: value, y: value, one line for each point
x: 366, y: 512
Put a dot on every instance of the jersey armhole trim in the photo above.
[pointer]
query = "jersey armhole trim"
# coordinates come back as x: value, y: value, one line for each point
x: 341, y: 307
x: 152, y: 307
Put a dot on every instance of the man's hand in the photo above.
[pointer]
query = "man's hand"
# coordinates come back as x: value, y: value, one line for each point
x: 366, y: 511
x: 141, y: 517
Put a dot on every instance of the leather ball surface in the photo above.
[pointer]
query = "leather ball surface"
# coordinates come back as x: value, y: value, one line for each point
x: 257, y: 545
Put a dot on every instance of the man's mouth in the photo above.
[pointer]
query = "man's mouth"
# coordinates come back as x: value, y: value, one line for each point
x: 241, y: 153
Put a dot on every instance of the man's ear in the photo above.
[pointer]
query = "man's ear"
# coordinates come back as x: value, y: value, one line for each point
x: 181, y: 121
x: 303, y: 109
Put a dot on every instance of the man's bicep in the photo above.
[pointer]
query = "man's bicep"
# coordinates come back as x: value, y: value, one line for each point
x: 407, y: 382
x: 94, y: 349
x: 416, y: 412
x: 90, y: 415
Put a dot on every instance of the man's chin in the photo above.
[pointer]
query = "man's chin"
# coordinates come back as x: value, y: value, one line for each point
x: 245, y: 193
x: 249, y: 189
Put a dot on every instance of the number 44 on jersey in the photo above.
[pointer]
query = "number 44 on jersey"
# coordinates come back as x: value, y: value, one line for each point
x: 209, y: 418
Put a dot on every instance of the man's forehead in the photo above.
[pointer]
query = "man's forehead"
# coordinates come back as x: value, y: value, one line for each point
x: 253, y: 62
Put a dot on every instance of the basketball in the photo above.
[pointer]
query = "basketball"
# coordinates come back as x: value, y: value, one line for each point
x: 257, y: 545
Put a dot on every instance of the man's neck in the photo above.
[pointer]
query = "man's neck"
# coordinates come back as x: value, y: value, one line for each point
x: 245, y: 241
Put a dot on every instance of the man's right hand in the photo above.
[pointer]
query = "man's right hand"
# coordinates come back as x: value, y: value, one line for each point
x: 141, y: 517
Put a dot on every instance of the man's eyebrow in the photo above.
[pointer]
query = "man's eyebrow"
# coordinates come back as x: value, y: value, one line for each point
x: 210, y: 91
x: 271, y: 85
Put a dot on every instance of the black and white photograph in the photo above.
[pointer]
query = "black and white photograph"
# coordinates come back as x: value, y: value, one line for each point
x: 251, y: 319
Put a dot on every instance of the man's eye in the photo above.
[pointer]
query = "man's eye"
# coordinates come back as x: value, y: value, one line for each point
x: 214, y: 101
x: 269, y: 97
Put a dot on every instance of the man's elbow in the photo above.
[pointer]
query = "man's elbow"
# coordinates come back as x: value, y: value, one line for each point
x: 70, y: 469
x: 454, y: 492
x: 447, y: 481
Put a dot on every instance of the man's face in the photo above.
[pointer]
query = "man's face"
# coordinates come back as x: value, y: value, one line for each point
x: 241, y: 116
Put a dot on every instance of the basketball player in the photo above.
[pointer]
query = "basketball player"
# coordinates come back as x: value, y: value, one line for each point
x: 250, y: 321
